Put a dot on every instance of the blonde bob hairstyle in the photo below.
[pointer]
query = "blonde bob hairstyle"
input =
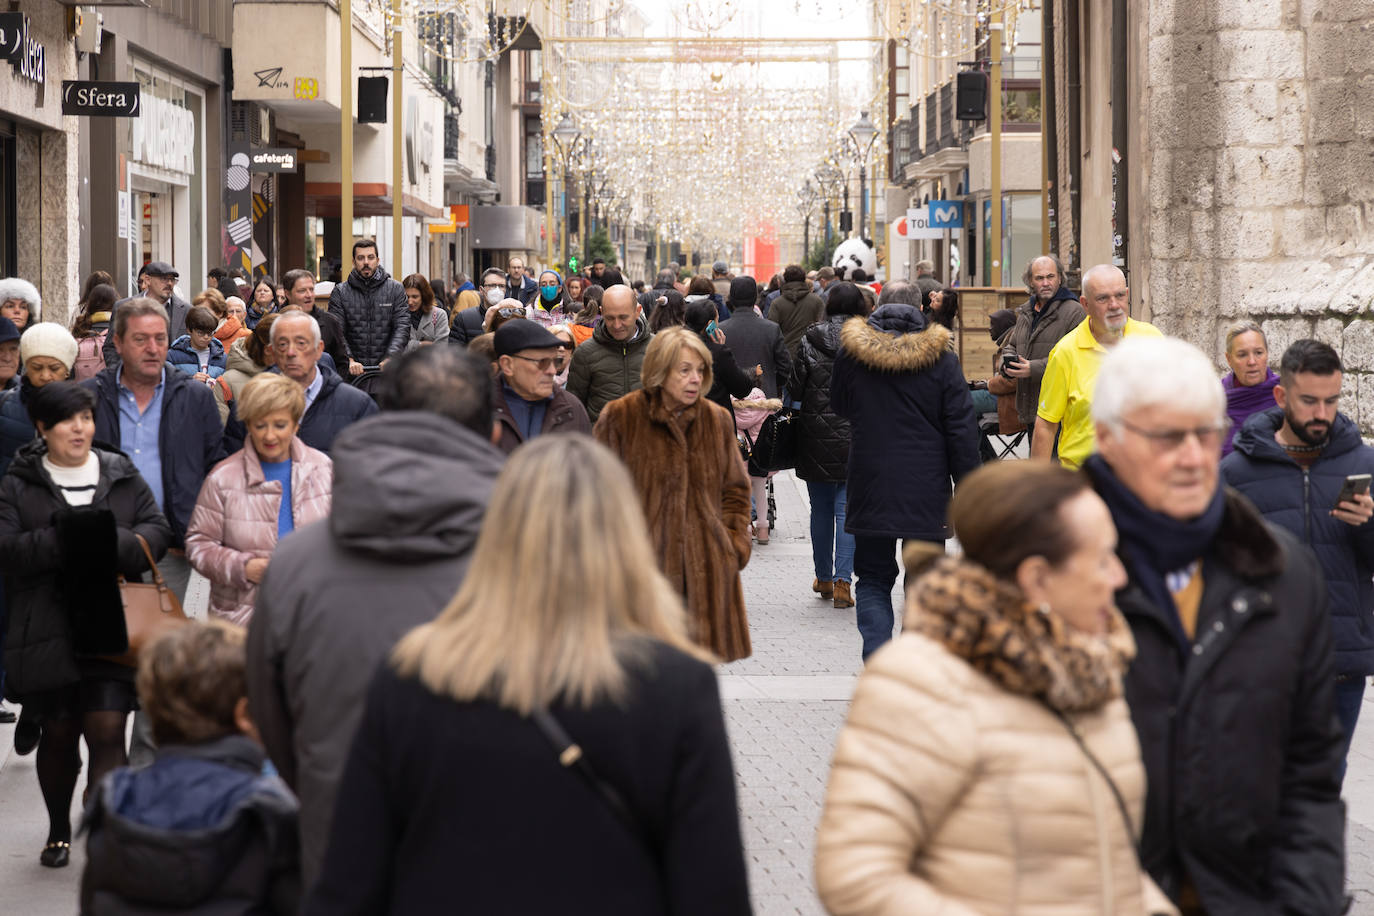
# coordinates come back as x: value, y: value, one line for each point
x: 523, y: 641
x: 268, y: 392
x: 665, y: 349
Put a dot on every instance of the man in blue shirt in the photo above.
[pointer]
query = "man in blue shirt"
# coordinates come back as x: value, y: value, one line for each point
x: 168, y: 424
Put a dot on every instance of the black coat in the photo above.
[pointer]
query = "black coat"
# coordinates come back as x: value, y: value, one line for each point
x: 337, y: 405
x: 43, y: 563
x: 374, y: 316
x: 911, y: 423
x: 466, y: 327
x: 1301, y: 501
x: 432, y: 784
x: 756, y: 341
x: 332, y: 333
x: 190, y: 439
x: 728, y: 380
x: 232, y: 852
x: 823, y: 435
x: 1238, y: 733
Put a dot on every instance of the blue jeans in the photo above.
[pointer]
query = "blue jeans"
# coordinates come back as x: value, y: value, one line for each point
x: 832, y: 548
x: 875, y: 563
x: 1349, y: 697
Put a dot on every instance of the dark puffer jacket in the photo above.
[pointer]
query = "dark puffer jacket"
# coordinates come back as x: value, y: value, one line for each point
x: 374, y: 316
x: 190, y: 440
x: 1238, y: 732
x: 466, y: 327
x: 795, y: 310
x: 1301, y: 501
x: 16, y: 429
x: 200, y: 831
x: 823, y: 436
x: 911, y: 421
x: 337, y: 406
x: 604, y: 368
x: 41, y: 565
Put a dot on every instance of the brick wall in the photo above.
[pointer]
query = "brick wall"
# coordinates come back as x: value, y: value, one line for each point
x: 1260, y: 147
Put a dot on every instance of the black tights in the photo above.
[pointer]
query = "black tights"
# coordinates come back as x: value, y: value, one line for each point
x: 59, y: 761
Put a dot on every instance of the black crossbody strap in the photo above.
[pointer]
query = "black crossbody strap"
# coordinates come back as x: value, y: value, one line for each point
x: 1111, y: 783
x: 570, y: 756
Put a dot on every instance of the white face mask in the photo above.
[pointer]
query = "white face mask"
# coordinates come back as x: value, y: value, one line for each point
x: 495, y: 295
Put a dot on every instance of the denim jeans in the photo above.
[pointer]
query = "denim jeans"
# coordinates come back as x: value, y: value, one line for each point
x: 875, y: 563
x: 832, y: 548
x: 1349, y: 697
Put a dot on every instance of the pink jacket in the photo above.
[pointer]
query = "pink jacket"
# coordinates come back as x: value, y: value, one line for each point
x: 235, y: 520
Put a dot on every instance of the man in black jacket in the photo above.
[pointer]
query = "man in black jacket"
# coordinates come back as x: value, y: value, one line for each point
x: 331, y: 404
x: 912, y: 430
x: 467, y: 324
x: 1231, y: 689
x: 1292, y: 461
x: 300, y: 292
x: 372, y: 308
x: 756, y: 342
x: 410, y: 488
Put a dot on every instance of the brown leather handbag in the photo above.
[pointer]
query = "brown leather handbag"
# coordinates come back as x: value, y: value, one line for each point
x: 150, y: 610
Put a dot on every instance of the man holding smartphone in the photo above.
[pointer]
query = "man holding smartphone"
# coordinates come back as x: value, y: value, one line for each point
x: 1051, y: 312
x: 1305, y: 467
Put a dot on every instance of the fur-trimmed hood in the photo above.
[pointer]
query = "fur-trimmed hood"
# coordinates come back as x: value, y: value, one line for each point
x: 895, y: 338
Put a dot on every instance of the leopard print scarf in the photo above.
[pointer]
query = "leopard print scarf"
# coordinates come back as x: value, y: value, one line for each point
x: 987, y: 622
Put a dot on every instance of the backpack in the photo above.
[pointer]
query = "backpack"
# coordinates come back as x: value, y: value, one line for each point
x: 89, y: 359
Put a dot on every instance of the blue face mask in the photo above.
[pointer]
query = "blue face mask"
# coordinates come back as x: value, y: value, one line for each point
x: 549, y: 293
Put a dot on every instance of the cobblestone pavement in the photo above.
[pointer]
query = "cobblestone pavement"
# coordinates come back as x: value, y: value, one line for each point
x: 785, y: 706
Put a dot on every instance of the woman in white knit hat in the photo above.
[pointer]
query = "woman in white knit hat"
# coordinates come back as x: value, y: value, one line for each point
x: 46, y: 351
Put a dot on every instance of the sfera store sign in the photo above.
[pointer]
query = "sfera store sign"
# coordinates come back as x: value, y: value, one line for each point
x: 16, y: 46
x: 100, y: 99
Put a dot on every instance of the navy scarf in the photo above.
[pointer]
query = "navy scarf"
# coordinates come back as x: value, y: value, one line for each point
x: 1151, y: 544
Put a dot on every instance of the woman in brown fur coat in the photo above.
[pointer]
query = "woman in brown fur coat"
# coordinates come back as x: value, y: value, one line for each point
x: 686, y: 466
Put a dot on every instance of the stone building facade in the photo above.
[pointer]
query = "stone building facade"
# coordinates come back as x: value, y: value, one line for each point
x: 1247, y: 152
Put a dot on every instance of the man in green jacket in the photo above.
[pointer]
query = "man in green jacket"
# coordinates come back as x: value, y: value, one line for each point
x: 607, y: 366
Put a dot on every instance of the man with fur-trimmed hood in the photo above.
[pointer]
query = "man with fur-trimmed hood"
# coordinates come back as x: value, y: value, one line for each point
x: 912, y: 429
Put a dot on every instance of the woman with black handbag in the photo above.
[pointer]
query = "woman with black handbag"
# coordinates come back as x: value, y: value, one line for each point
x: 989, y: 764
x: 70, y: 520
x: 551, y: 743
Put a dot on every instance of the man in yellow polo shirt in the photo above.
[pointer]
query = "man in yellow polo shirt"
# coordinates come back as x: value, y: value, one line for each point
x: 1066, y: 391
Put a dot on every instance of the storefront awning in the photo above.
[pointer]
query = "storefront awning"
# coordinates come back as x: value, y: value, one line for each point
x: 322, y: 198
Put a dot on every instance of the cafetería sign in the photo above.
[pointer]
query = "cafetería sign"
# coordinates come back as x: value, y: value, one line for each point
x: 98, y: 99
x: 272, y: 159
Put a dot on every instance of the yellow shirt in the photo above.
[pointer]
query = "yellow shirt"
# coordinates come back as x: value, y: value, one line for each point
x: 1066, y: 391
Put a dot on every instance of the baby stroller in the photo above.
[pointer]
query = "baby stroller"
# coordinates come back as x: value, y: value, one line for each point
x: 765, y: 432
x: 369, y: 381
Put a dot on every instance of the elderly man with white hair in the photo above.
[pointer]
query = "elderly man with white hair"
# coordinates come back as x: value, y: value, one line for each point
x: 330, y: 403
x: 1232, y: 687
x: 1066, y: 388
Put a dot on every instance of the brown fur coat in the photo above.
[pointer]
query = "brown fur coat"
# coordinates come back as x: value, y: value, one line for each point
x: 695, y: 492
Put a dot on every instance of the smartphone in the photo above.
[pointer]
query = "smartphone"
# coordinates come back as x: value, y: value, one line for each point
x: 1355, y: 485
x: 711, y: 330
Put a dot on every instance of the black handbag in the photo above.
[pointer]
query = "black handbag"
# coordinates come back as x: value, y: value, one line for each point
x: 775, y: 447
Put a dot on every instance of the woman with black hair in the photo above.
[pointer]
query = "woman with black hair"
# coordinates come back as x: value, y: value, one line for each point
x: 71, y: 517
x: 90, y: 328
x: 941, y: 306
x: 728, y: 380
x: 669, y: 309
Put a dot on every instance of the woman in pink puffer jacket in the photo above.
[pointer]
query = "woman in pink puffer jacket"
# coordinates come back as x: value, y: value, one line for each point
x: 241, y: 513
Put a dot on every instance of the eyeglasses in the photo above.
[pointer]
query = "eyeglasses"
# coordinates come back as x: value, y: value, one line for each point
x: 545, y: 363
x: 1168, y: 440
x: 497, y: 285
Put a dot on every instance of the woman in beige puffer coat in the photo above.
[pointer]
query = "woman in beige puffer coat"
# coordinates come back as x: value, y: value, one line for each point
x: 989, y: 764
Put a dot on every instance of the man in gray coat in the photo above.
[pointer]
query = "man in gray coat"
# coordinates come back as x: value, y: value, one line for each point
x: 411, y: 486
x: 756, y: 342
x: 1051, y: 312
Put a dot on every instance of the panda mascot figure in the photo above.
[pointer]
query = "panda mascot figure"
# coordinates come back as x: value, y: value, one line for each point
x: 853, y: 255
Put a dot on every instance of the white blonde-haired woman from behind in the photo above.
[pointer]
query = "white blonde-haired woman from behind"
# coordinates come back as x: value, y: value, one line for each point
x: 462, y: 790
x: 989, y: 764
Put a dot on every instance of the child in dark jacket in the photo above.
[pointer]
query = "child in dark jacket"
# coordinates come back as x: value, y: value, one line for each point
x: 202, y: 829
x: 197, y: 352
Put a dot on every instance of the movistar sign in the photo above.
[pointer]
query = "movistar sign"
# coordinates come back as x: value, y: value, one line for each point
x: 945, y: 214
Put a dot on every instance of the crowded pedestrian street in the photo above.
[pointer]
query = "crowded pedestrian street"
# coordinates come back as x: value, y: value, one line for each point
x: 784, y: 707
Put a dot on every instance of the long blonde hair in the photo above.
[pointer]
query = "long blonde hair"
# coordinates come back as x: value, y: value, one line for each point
x: 530, y: 624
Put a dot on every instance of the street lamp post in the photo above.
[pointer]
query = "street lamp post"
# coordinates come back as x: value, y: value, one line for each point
x: 828, y: 178
x: 806, y: 202
x: 565, y: 137
x: 862, y: 135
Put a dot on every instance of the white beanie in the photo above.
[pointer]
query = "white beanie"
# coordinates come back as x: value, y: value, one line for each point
x: 47, y: 338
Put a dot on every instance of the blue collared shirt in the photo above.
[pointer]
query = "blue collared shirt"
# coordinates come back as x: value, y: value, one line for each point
x: 138, y: 433
x: 312, y: 390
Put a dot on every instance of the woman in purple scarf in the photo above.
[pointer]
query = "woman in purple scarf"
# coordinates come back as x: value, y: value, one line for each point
x: 1250, y: 383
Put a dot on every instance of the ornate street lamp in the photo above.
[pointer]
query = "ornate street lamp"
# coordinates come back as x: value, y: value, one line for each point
x: 862, y: 135
x: 565, y: 138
